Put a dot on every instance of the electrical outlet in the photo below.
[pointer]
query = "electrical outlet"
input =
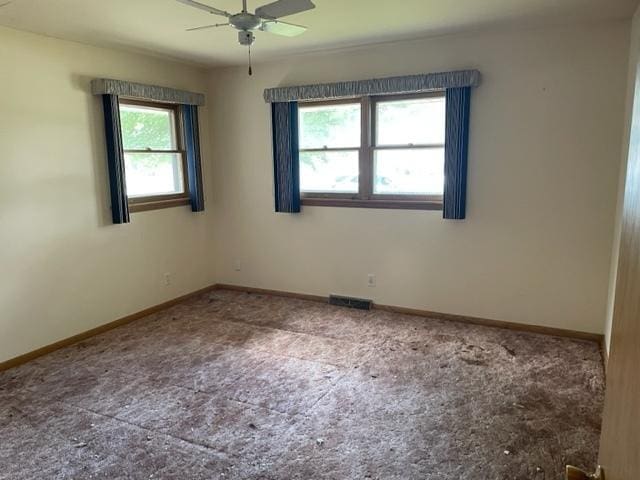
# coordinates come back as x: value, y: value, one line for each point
x: 167, y: 278
x: 236, y: 265
x: 371, y: 280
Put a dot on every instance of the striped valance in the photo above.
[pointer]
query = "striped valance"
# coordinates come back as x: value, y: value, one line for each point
x: 377, y: 86
x: 107, y: 86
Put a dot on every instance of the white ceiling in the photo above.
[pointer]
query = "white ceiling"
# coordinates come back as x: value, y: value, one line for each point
x: 158, y: 26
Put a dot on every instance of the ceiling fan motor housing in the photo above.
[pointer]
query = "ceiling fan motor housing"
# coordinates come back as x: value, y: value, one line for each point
x: 246, y: 37
x: 245, y: 21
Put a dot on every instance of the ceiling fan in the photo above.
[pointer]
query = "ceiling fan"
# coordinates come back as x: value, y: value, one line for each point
x: 266, y: 18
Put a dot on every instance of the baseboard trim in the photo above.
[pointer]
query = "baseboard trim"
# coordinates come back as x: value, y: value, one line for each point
x: 556, y: 332
x: 27, y: 357
x: 485, y: 322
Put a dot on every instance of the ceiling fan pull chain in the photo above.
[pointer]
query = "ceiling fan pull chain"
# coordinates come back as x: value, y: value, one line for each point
x: 250, y: 70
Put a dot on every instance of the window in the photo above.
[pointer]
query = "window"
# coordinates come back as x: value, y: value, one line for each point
x: 154, y: 157
x: 330, y: 140
x: 385, y: 152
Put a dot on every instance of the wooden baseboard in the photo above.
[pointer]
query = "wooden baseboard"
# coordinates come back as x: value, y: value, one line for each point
x: 485, y: 322
x: 557, y: 332
x: 14, y: 362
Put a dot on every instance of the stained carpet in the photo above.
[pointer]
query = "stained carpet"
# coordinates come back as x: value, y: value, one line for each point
x: 231, y: 385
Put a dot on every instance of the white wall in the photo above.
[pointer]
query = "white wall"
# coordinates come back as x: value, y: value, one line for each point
x: 630, y: 146
x: 544, y: 157
x: 65, y: 268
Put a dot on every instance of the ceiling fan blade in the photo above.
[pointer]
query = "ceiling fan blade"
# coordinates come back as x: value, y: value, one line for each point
x: 282, y: 28
x: 207, y: 26
x: 206, y: 8
x: 283, y: 8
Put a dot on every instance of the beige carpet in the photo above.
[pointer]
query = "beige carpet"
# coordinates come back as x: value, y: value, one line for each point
x: 231, y: 385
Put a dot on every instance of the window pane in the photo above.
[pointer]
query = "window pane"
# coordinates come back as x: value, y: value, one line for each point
x: 331, y: 172
x: 332, y: 126
x: 419, y: 121
x: 147, y: 128
x: 153, y: 174
x: 417, y: 171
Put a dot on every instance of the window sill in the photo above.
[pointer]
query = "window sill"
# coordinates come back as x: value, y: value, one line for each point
x: 157, y: 204
x: 390, y: 204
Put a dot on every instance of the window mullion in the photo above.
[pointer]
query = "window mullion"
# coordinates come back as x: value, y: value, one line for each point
x: 152, y: 151
x: 328, y: 149
x: 410, y: 147
x: 366, y: 151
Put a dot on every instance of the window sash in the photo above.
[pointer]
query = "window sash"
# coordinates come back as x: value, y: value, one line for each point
x: 391, y: 98
x: 368, y: 146
x: 310, y: 193
x: 184, y: 184
x: 327, y: 103
x: 147, y: 202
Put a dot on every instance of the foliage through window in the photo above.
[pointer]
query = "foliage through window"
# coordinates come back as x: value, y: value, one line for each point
x: 329, y: 148
x: 155, y: 168
x: 373, y: 151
